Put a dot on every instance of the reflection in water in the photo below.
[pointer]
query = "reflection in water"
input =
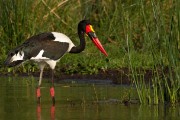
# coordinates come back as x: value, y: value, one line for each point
x: 38, y: 112
x: 52, y: 112
x: 78, y: 101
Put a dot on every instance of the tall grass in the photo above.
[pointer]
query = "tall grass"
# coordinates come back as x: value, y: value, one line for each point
x: 162, y: 34
x: 139, y: 35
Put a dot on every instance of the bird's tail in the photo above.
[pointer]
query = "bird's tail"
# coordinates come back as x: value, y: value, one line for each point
x: 14, y: 58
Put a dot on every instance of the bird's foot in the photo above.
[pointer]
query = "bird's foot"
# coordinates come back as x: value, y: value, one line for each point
x: 38, y: 95
x: 52, y: 92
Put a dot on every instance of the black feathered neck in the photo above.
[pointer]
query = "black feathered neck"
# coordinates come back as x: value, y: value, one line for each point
x: 81, y: 31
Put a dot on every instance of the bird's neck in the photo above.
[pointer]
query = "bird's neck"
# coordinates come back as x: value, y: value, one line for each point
x: 81, y: 46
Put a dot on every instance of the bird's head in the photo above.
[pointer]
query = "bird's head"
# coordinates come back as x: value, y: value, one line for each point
x: 86, y: 27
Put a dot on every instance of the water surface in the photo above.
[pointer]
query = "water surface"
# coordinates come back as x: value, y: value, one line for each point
x: 76, y: 100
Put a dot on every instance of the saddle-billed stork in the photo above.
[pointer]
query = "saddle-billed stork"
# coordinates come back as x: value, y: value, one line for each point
x: 48, y: 48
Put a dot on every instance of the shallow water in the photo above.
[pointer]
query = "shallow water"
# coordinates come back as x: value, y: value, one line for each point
x: 75, y: 99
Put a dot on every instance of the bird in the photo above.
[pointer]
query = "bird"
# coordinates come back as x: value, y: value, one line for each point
x: 48, y: 48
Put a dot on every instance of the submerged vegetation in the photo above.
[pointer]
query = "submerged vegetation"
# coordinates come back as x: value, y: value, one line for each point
x: 139, y: 35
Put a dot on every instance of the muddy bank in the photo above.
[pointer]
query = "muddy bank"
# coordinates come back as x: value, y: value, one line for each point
x: 117, y: 76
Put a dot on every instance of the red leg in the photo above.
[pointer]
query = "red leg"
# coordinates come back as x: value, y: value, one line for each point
x: 38, y: 91
x: 52, y: 92
x: 38, y: 94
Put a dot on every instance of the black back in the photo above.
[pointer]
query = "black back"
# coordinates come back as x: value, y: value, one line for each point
x: 32, y: 46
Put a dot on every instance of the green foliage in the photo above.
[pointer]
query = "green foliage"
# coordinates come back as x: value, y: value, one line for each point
x: 162, y: 33
x: 136, y: 34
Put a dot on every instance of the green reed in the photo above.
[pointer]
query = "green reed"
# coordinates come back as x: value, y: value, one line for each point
x: 162, y: 35
x: 140, y: 35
